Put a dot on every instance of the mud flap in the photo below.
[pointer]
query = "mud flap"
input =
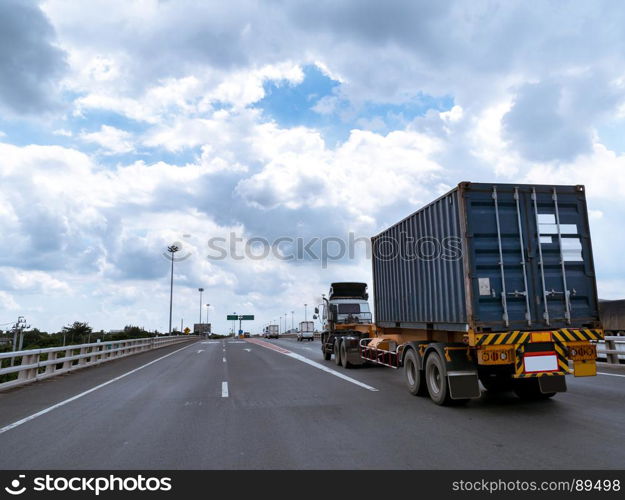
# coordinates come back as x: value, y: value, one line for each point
x: 463, y: 384
x: 554, y: 383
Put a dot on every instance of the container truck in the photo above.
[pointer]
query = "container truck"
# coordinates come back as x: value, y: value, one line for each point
x: 490, y: 282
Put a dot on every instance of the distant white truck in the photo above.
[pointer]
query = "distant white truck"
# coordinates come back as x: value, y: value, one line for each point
x: 306, y: 331
x: 271, y: 332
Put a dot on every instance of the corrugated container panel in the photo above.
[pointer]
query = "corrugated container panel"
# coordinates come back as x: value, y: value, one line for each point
x: 401, y: 282
x: 525, y: 261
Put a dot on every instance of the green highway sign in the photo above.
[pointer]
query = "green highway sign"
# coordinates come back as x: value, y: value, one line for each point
x: 243, y: 317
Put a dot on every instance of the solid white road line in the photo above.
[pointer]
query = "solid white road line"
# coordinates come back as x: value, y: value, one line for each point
x: 610, y: 374
x: 224, y: 389
x: 329, y: 370
x: 89, y: 391
x: 310, y: 362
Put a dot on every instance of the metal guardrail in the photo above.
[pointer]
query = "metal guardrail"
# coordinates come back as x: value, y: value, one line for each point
x: 612, y: 348
x: 39, y: 364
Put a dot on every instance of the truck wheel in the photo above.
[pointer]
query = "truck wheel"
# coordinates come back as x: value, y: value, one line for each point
x: 343, y: 350
x: 437, y: 382
x: 415, y: 378
x: 529, y: 389
x: 337, y: 352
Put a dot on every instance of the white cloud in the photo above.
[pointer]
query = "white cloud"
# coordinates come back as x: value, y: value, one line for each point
x: 32, y: 281
x: 113, y: 140
x: 7, y: 302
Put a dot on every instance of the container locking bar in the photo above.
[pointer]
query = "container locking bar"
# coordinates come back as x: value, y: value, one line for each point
x: 528, y: 314
x: 540, y: 258
x: 567, y: 293
x: 504, y: 302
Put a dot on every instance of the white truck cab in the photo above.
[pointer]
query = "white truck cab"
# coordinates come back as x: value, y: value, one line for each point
x: 347, y: 311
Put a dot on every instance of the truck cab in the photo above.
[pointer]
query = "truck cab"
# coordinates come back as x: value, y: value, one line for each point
x: 345, y: 312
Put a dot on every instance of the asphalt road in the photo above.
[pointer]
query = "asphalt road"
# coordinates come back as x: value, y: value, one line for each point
x: 241, y: 405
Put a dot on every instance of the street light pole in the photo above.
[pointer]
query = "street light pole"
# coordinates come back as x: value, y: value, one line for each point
x: 292, y: 320
x: 200, y: 290
x: 171, y: 249
x: 207, y: 306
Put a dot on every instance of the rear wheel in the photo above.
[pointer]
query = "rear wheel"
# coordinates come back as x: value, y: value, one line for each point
x: 343, y: 351
x: 337, y: 352
x: 529, y: 389
x: 437, y: 383
x: 415, y: 378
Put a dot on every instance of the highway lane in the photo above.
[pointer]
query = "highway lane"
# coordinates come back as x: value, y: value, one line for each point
x: 281, y: 413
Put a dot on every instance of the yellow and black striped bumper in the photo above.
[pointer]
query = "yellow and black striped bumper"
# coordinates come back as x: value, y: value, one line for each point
x: 519, y: 340
x: 520, y: 337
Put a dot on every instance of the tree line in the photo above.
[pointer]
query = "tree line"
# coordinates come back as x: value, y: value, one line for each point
x: 72, y: 334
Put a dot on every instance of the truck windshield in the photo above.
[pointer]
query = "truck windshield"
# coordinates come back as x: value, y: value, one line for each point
x: 349, y: 308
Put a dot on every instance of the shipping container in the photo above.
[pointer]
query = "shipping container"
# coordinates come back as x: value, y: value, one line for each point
x: 488, y: 258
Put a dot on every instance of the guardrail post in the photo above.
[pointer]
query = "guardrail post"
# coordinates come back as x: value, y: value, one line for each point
x: 67, y: 364
x: 83, y: 351
x: 30, y: 373
x: 610, y: 345
x: 51, y: 367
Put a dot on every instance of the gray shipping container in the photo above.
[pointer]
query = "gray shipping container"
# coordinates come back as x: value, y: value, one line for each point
x: 490, y: 258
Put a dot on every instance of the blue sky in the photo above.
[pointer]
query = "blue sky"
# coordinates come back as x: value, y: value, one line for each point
x: 300, y: 104
x: 120, y: 133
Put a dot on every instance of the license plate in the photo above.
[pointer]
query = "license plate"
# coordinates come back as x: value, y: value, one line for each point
x: 583, y: 352
x: 540, y: 362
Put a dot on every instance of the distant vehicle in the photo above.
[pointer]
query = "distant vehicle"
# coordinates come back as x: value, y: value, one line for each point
x: 246, y: 335
x: 272, y: 332
x: 306, y: 331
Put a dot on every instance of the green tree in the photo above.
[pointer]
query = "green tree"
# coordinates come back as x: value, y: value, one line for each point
x: 76, y: 332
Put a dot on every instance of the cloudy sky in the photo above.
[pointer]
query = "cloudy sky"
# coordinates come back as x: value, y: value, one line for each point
x: 128, y: 125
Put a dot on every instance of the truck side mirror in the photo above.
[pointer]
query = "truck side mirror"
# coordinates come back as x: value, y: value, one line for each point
x: 316, y: 310
x: 315, y: 316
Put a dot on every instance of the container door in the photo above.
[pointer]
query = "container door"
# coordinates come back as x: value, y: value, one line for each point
x: 498, y: 243
x: 562, y: 268
x: 530, y: 257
